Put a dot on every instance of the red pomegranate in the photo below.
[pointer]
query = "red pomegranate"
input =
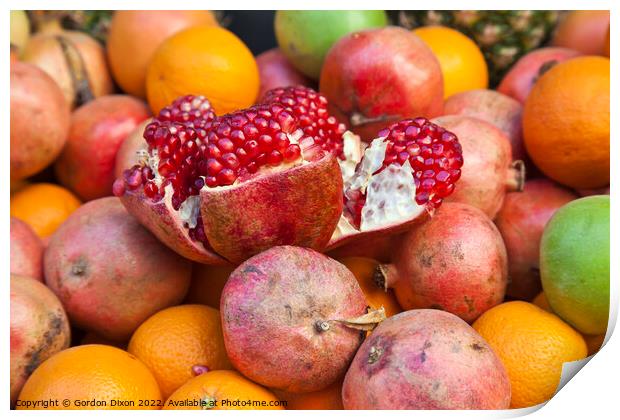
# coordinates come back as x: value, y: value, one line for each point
x: 86, y: 164
x: 130, y: 149
x: 376, y: 77
x: 276, y: 71
x: 39, y: 120
x: 583, y: 30
x: 425, y: 360
x: 521, y: 222
x: 109, y: 272
x: 455, y: 262
x: 518, y: 82
x: 488, y: 171
x: 39, y: 328
x: 26, y: 251
x: 286, y: 317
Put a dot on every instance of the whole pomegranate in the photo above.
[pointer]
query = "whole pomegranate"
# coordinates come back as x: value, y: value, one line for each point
x: 109, y: 272
x: 130, y: 149
x: 521, y: 222
x: 518, y: 82
x: 488, y: 171
x: 39, y: 328
x: 287, y: 315
x: 75, y: 60
x: 276, y: 71
x: 425, y: 360
x: 493, y: 107
x: 455, y: 262
x: 26, y: 251
x: 86, y: 164
x: 375, y: 77
x: 39, y: 120
x: 583, y: 30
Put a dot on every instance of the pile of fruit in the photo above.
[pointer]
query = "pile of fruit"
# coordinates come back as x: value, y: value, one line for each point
x: 368, y: 216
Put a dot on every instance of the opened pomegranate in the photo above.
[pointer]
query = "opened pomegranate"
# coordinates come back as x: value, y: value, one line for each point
x: 488, y: 171
x: 130, y: 149
x: 455, y: 262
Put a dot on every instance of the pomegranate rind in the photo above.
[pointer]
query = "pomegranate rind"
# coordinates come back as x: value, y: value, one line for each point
x: 296, y: 206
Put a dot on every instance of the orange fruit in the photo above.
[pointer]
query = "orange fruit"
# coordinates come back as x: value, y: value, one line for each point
x: 364, y: 269
x: 329, y: 398
x: 93, y: 372
x: 566, y: 122
x: 134, y: 36
x: 207, y: 284
x: 532, y: 344
x: 461, y: 61
x: 203, y: 60
x: 222, y: 390
x: 43, y: 206
x: 175, y: 340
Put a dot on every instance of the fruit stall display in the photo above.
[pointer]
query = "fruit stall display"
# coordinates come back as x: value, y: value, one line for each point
x: 412, y: 198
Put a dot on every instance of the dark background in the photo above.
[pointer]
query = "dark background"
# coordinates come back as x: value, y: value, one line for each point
x: 254, y: 27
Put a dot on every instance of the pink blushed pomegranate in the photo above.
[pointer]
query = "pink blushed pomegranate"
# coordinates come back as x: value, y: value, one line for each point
x: 488, y: 172
x: 86, y: 164
x: 518, y: 82
x: 493, y: 107
x: 39, y: 120
x: 26, y: 251
x: 39, y: 328
x: 455, y: 262
x: 276, y: 71
x: 521, y: 222
x: 425, y: 360
x: 287, y: 316
x: 109, y: 272
x: 376, y: 77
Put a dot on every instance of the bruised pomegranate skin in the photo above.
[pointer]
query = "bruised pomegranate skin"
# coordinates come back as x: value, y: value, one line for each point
x: 279, y: 314
x: 488, y: 171
x: 276, y: 71
x: 493, y: 107
x: 26, y: 251
x: 39, y: 328
x: 39, y: 120
x: 130, y: 149
x: 518, y: 82
x: 109, y: 272
x: 455, y: 262
x: 375, y: 77
x: 425, y: 360
x: 521, y: 222
x: 86, y: 164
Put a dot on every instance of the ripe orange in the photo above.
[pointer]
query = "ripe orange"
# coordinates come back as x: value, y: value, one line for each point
x: 203, y: 60
x: 207, y: 284
x: 532, y: 344
x: 43, y: 206
x: 364, y: 269
x: 92, y: 372
x: 566, y: 122
x: 135, y: 35
x: 174, y: 340
x: 462, y: 63
x: 329, y: 398
x: 221, y: 390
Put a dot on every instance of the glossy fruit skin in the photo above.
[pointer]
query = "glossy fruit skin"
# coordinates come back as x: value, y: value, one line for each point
x: 86, y: 164
x: 92, y: 372
x: 26, y: 251
x: 556, y: 123
x: 129, y: 148
x: 367, y: 79
x: 134, y: 36
x: 272, y: 307
x: 82, y: 266
x: 574, y: 263
x: 532, y: 345
x: 583, y: 30
x: 276, y: 71
x: 487, y: 172
x: 39, y: 129
x: 521, y: 77
x: 39, y: 328
x: 415, y: 350
x: 521, y: 221
x: 305, y: 36
x: 455, y: 262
